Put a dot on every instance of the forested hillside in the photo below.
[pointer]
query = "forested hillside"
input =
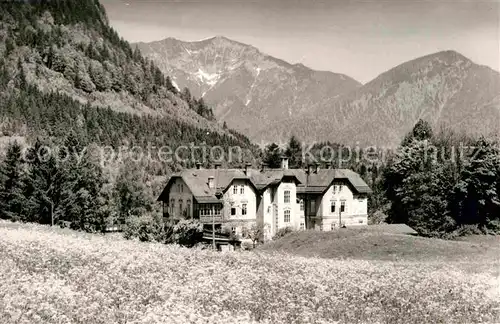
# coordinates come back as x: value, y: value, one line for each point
x: 61, y: 58
x: 68, y: 80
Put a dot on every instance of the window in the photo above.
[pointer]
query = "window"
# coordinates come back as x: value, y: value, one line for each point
x: 332, y: 207
x: 182, y: 187
x: 188, y: 206
x: 242, y: 190
x: 302, y: 226
x: 334, y: 189
x: 312, y: 206
x: 233, y: 230
x: 360, y: 221
x: 287, y: 196
x: 243, y: 209
x: 208, y: 209
x: 301, y: 205
x: 340, y: 188
x: 235, y: 190
x: 172, y: 205
x: 342, y: 206
x: 233, y: 211
x: 287, y: 216
x: 332, y: 226
x: 180, y: 206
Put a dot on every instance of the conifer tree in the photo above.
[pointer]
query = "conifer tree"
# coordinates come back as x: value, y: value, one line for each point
x: 272, y: 155
x: 11, y: 183
x: 43, y: 184
x: 294, y: 153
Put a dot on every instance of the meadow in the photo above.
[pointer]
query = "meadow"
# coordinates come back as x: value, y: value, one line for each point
x: 50, y: 275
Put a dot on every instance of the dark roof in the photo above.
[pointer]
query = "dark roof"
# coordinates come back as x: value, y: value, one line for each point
x: 263, y: 179
x: 322, y: 179
x: 197, y: 180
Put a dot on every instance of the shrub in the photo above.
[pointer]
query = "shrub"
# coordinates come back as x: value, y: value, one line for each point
x: 188, y: 232
x: 132, y: 226
x: 282, y: 232
x: 247, y: 244
x: 148, y: 228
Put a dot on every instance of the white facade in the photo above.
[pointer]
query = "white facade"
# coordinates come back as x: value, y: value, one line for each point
x: 277, y: 206
x: 240, y: 206
x: 340, y: 204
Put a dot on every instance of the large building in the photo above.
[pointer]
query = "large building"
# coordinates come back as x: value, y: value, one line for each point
x: 314, y: 198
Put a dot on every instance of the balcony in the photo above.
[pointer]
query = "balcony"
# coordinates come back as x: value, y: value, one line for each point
x: 210, y: 219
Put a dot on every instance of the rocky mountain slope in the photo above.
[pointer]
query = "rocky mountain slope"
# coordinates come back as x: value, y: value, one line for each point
x: 269, y: 99
x: 247, y: 88
x: 444, y: 88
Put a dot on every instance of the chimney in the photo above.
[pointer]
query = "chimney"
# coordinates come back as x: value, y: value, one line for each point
x: 211, y: 183
x: 284, y: 162
x: 198, y: 165
x: 217, y: 166
x: 263, y: 167
x: 247, y: 167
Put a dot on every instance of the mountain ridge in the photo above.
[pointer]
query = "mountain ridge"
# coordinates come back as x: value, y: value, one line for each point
x: 245, y: 86
x: 444, y: 87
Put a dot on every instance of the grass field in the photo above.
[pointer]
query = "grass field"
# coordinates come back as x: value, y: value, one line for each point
x: 59, y: 276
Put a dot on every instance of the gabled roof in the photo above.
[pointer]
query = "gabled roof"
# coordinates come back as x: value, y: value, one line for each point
x: 197, y: 182
x: 321, y: 181
x: 263, y: 179
x: 317, y: 182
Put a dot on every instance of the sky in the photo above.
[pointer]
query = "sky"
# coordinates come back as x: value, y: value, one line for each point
x: 358, y: 38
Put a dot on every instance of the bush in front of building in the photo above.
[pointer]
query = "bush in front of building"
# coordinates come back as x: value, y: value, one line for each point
x: 148, y: 228
x: 282, y: 232
x: 188, y: 232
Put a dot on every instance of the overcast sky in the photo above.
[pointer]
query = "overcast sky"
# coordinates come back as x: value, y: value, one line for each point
x: 359, y: 38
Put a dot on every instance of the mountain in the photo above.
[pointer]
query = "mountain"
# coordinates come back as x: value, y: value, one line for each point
x: 269, y: 99
x: 446, y: 89
x: 248, y: 89
x: 61, y: 60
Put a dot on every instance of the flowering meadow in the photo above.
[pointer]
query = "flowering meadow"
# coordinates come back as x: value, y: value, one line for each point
x: 59, y: 276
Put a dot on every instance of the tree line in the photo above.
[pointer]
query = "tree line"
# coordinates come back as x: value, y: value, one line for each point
x: 442, y: 184
x: 45, y: 187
